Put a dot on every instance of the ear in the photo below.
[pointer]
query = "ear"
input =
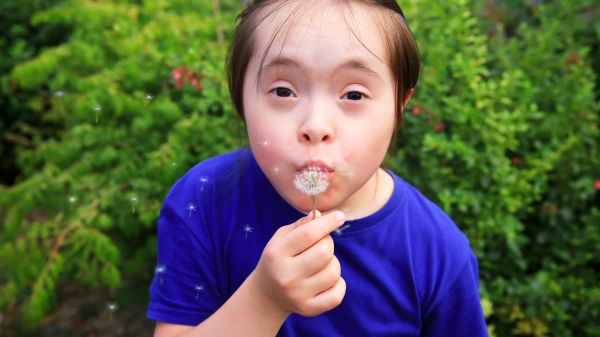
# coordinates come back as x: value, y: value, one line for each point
x: 407, y: 97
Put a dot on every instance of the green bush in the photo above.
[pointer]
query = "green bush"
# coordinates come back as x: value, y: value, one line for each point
x: 502, y: 133
x: 137, y: 94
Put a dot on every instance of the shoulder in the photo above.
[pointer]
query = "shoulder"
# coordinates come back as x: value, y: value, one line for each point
x: 430, y: 224
x: 439, y: 249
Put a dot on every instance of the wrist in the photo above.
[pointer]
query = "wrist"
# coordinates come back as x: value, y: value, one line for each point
x: 262, y: 301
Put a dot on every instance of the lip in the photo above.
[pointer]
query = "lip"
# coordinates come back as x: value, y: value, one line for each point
x: 319, y: 164
x: 328, y: 172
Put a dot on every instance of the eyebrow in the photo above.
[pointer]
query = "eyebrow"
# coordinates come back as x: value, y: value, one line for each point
x: 351, y: 64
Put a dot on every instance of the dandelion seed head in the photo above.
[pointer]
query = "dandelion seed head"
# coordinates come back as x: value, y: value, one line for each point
x: 112, y: 306
x: 59, y: 93
x: 191, y: 207
x: 311, y: 181
x: 148, y: 97
x: 97, y: 108
x: 72, y: 199
x: 133, y: 198
x: 199, y: 287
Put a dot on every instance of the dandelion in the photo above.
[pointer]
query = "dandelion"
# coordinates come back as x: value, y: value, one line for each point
x: 191, y: 208
x: 311, y: 182
x: 341, y: 230
x: 160, y: 270
x: 247, y: 229
x: 98, y: 109
x: 148, y: 99
x: 60, y: 94
x: 198, y: 288
x: 134, y: 200
x: 72, y: 200
x: 112, y: 307
x: 203, y: 180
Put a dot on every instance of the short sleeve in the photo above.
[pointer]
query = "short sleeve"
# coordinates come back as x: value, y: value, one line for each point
x: 184, y: 288
x: 459, y: 313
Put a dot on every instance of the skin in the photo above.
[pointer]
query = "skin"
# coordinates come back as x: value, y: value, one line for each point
x: 336, y: 108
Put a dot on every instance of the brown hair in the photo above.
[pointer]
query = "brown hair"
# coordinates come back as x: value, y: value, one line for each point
x: 402, y: 52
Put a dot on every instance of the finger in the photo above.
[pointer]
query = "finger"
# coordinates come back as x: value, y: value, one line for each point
x: 283, y: 230
x: 304, y: 236
x: 315, y: 258
x: 326, y: 277
x: 309, y: 217
x: 329, y: 298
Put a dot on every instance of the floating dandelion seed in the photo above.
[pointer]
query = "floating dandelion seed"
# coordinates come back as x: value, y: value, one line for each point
x: 60, y: 94
x: 134, y: 200
x: 97, y: 108
x: 198, y: 288
x: 148, y: 98
x: 203, y: 180
x: 341, y: 230
x: 174, y: 164
x: 247, y: 229
x: 192, y: 208
x: 160, y: 270
x: 311, y: 181
x: 276, y: 169
x: 265, y: 143
x: 112, y: 307
x: 72, y: 200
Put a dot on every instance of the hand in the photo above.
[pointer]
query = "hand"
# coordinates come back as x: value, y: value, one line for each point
x: 297, y: 271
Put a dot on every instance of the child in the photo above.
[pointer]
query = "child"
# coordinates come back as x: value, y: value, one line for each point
x: 321, y: 86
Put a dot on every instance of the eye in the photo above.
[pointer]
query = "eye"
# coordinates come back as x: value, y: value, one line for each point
x: 354, y: 95
x: 282, y: 92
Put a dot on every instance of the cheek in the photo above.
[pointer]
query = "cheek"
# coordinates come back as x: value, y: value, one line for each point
x: 369, y: 139
x: 269, y: 146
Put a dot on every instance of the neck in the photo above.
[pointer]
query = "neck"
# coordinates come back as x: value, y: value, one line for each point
x: 371, y: 197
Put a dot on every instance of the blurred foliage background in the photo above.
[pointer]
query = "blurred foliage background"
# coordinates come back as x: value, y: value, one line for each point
x: 106, y: 103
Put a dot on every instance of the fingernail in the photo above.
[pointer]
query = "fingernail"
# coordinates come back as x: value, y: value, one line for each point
x: 340, y: 215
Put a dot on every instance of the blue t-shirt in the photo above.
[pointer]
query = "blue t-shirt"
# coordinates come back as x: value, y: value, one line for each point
x: 409, y: 270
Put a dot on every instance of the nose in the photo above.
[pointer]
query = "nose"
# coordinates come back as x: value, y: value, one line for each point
x: 316, y: 126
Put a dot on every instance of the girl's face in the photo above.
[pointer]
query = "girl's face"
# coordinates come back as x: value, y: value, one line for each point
x: 324, y: 100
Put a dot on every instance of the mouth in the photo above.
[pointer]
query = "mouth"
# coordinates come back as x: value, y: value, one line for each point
x: 315, y: 165
x: 313, y: 178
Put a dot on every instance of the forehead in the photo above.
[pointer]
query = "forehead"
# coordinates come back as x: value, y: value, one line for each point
x: 319, y: 33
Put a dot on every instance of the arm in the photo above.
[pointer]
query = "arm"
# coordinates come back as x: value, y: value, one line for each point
x: 297, y: 272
